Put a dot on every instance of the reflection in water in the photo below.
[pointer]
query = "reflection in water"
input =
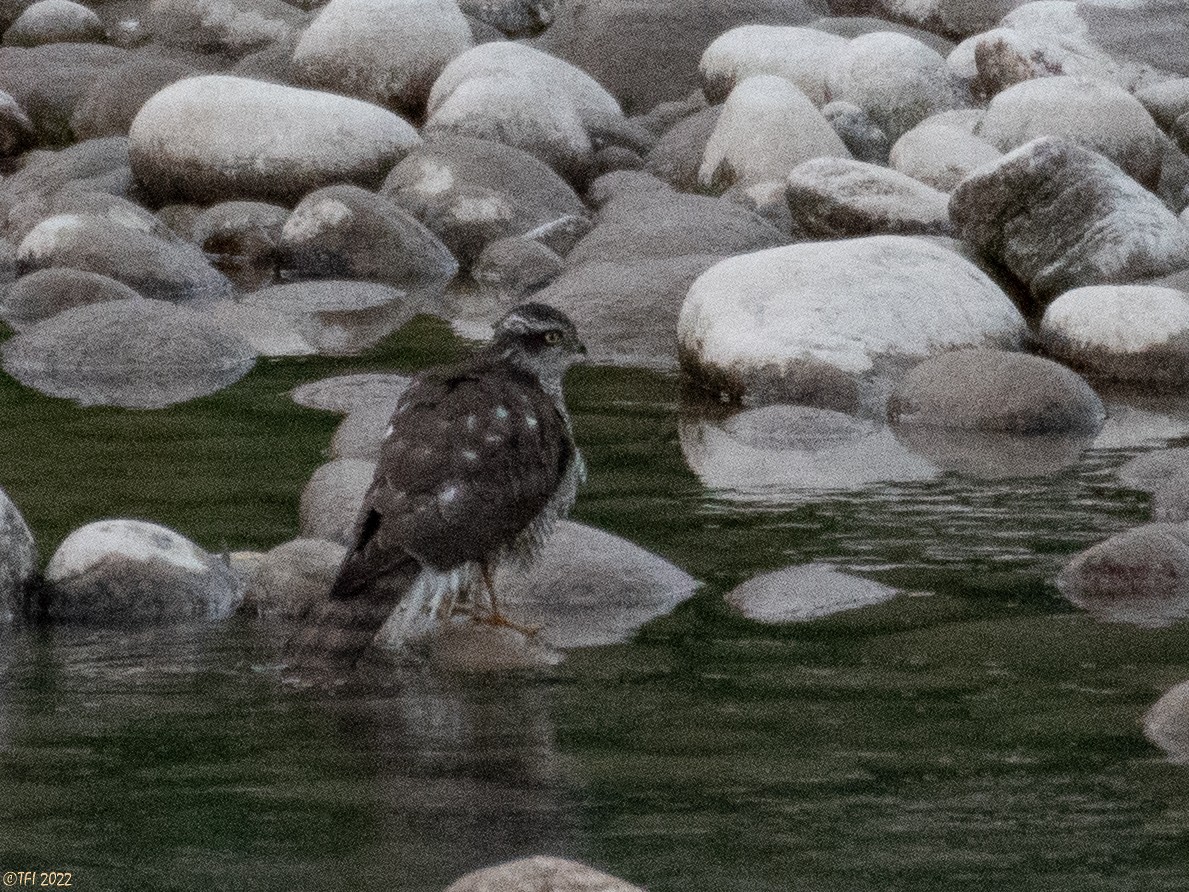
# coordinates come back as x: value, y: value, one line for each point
x: 992, y: 455
x: 1136, y: 418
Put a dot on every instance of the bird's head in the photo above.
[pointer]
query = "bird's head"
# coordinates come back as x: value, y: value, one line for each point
x: 539, y: 338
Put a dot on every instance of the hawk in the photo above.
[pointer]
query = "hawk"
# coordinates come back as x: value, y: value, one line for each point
x: 476, y: 466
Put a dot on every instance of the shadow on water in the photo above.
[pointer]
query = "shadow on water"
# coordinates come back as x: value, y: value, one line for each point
x: 974, y: 732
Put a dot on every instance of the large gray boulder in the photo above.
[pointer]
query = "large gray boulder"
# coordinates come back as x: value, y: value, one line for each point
x: 18, y: 559
x: 97, y: 165
x: 213, y: 138
x: 129, y: 572
x: 1060, y: 216
x: 541, y: 873
x: 942, y: 150
x: 42, y: 294
x: 678, y: 155
x: 54, y: 21
x: 80, y: 199
x: 801, y: 56
x: 805, y: 592
x: 822, y: 323
x: 290, y: 577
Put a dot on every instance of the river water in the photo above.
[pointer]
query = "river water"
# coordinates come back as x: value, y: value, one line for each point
x: 976, y: 732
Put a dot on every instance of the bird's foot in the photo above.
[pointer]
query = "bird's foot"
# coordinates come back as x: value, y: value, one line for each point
x: 498, y: 619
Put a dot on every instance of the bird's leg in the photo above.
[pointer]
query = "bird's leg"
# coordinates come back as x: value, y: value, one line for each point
x: 496, y: 618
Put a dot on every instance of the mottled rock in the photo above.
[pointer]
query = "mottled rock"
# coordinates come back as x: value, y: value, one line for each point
x: 1166, y: 101
x: 799, y: 55
x: 129, y: 572
x: 803, y: 593
x: 241, y: 238
x: 1150, y: 471
x: 18, y: 559
x: 516, y: 265
x: 836, y: 198
x: 54, y: 21
x: 1139, y: 576
x: 136, y: 353
x: 949, y: 16
x: 44, y: 293
x: 111, y: 210
x: 94, y: 165
x: 1166, y: 724
x: 677, y: 156
x: 331, y: 500
x: 767, y: 127
x: 1060, y: 216
x: 111, y: 102
x: 290, y: 577
x: 817, y: 323
x: 996, y: 390
x: 214, y: 138
x: 541, y: 872
x: 16, y: 130
x: 385, y: 52
x: 940, y: 154
x: 515, y: 18
x: 231, y: 28
x: 344, y: 394
x: 861, y: 136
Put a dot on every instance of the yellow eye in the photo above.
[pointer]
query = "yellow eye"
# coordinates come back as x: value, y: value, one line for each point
x: 553, y: 337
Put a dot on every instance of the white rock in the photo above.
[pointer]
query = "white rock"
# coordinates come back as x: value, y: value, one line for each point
x: 811, y: 323
x: 384, y: 51
x: 541, y: 873
x: 940, y: 154
x: 803, y: 593
x: 290, y: 577
x: 331, y: 500
x: 799, y: 55
x: 54, y: 21
x: 949, y: 16
x: 344, y: 394
x: 1166, y: 724
x: 212, y: 138
x: 767, y: 127
x: 18, y: 558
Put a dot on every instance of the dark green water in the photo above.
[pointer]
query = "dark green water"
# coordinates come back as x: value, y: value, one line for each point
x: 977, y: 734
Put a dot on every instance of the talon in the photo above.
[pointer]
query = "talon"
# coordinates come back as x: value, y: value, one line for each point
x: 498, y: 619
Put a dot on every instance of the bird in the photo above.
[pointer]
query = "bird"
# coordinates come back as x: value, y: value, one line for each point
x: 476, y: 466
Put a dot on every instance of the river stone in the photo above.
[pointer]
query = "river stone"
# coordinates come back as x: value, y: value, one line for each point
x: 241, y: 238
x: 1060, y: 216
x: 129, y: 572
x: 1139, y: 577
x: 331, y: 500
x: 851, y: 22
x: 79, y: 200
x: 16, y: 130
x: 94, y: 165
x: 385, y: 51
x: 1166, y: 101
x: 516, y: 265
x: 940, y: 154
x: 645, y: 53
x: 1151, y: 471
x: 1094, y: 114
x: 819, y: 323
x: 838, y: 197
x: 290, y: 577
x: 619, y: 183
x: 767, y: 127
x: 799, y: 55
x: 996, y: 390
x: 54, y: 21
x: 230, y: 28
x: 111, y: 103
x: 540, y: 873
x: 256, y: 140
x: 465, y: 646
x: 166, y: 270
x: 804, y: 593
x: 135, y: 353
x: 46, y: 292
x: 1134, y: 333
x: 960, y: 17
x: 862, y: 137
x: 18, y: 559
x: 586, y: 588
x: 361, y: 433
x: 897, y: 80
x: 1166, y: 724
x: 514, y: 18
x: 1154, y: 32
x: 344, y: 394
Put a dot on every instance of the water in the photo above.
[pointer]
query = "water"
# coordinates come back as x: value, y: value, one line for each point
x: 974, y: 733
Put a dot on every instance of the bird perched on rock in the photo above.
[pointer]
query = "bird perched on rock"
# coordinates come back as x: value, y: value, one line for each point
x: 477, y: 464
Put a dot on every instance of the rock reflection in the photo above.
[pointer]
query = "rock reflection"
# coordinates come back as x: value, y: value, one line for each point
x: 993, y: 455
x: 1137, y: 417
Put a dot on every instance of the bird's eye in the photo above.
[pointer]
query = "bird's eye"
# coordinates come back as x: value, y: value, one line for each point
x: 553, y: 337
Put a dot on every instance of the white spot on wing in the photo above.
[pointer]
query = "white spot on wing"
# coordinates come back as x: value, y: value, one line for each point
x: 531, y: 421
x: 501, y: 412
x: 470, y: 455
x: 448, y: 494
x: 472, y: 420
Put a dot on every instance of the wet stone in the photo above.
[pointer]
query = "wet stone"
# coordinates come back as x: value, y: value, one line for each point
x: 42, y: 294
x: 804, y: 593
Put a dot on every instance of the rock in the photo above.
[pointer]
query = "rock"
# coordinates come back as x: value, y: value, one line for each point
x: 677, y: 156
x: 471, y: 191
x: 344, y: 394
x: 388, y: 53
x: 819, y: 323
x: 1151, y: 471
x: 348, y: 232
x: 44, y: 293
x: 360, y: 434
x: 1170, y: 503
x: 54, y: 21
x: 1139, y: 577
x: 799, y: 55
x: 1134, y: 333
x: 72, y: 200
x: 803, y: 593
x: 949, y: 16
x: 18, y: 559
x: 134, y: 353
x: 540, y: 872
x: 290, y: 577
x: 259, y: 141
x: 587, y: 588
x: 515, y: 18
x: 851, y: 22
x: 766, y: 128
x: 166, y: 270
x: 646, y: 53
x: 897, y: 80
x: 331, y: 501
x: 996, y: 390
x: 328, y: 318
x: 463, y: 645
x: 1154, y: 32
x: 777, y: 453
x: 16, y: 130
x: 129, y: 572
x: 516, y: 265
x: 111, y: 103
x: 1166, y: 724
x: 861, y: 136
x: 1094, y: 114
x: 1166, y: 101
x: 231, y: 28
x: 837, y: 197
x: 611, y: 159
x: 94, y: 165
x: 619, y: 183
x: 1060, y: 216
x: 242, y: 239
x: 995, y: 454
x: 766, y: 200
x: 940, y: 154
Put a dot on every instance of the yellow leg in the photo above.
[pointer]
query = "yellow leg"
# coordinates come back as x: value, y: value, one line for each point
x: 495, y: 617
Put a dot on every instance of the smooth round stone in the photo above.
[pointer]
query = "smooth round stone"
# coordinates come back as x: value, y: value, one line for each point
x: 617, y: 183
x: 799, y: 55
x: 18, y: 558
x: 79, y: 200
x: 516, y: 265
x: 331, y: 500
x: 804, y: 593
x: 94, y: 165
x: 230, y: 28
x: 994, y: 455
x: 384, y: 51
x: 1139, y: 577
x: 128, y: 572
x: 587, y: 587
x: 1166, y: 724
x: 513, y: 18
x: 940, y: 154
x: 16, y: 129
x: 1134, y: 333
x: 1166, y: 100
x: 54, y: 21
x: 950, y: 16
x: 259, y: 141
x: 42, y: 294
x: 139, y: 354
x: 1150, y: 471
x: 541, y: 872
x: 678, y: 155
x: 290, y: 577
x: 344, y: 394
x: 862, y: 137
x: 466, y: 646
